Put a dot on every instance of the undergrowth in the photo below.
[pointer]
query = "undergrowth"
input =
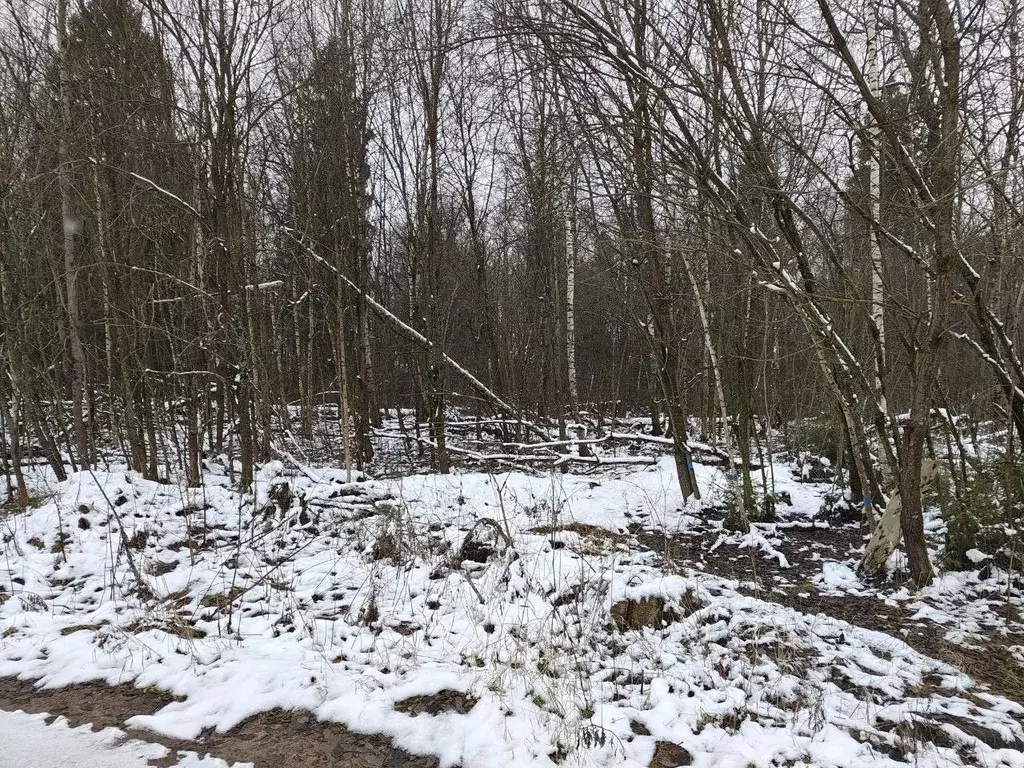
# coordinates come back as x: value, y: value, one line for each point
x: 983, y: 511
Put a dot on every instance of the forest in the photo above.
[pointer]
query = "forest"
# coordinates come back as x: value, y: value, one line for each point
x: 399, y: 339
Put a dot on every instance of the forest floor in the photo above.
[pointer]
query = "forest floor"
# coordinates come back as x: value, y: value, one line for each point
x: 985, y: 642
x: 495, y: 619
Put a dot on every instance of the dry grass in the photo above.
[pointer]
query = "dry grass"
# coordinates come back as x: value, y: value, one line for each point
x: 220, y: 599
x: 595, y: 540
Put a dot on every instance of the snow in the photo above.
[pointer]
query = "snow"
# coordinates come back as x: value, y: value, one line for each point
x: 244, y: 607
x: 838, y: 577
x: 26, y: 741
x: 976, y: 556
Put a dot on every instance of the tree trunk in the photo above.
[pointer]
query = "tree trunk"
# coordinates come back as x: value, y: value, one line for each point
x: 71, y: 224
x: 341, y: 358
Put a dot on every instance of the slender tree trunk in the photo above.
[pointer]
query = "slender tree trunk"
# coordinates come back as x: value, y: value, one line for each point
x: 741, y: 522
x: 874, y: 197
x: 193, y: 475
x: 71, y: 224
x: 344, y: 417
x: 570, y: 308
x: 435, y: 364
x: 10, y: 425
x: 149, y: 405
x: 243, y: 412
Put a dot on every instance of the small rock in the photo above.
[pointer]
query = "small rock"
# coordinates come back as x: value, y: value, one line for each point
x: 669, y: 755
x: 485, y: 539
x: 636, y: 614
x: 160, y: 567
x: 445, y: 700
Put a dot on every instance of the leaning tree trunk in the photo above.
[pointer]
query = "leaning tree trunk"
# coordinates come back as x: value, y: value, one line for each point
x: 658, y: 290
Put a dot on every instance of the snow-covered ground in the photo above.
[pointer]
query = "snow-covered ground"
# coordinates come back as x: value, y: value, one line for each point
x: 349, y: 599
x: 26, y: 741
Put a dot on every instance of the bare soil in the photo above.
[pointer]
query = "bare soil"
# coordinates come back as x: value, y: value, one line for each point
x: 275, y: 739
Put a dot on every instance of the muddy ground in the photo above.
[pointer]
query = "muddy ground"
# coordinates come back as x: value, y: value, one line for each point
x: 275, y: 739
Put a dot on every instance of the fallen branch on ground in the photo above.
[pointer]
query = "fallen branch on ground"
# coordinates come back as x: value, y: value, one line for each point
x: 555, y: 459
x: 694, y: 446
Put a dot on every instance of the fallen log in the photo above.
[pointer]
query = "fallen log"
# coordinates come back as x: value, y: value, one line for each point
x: 555, y: 459
x: 692, y: 445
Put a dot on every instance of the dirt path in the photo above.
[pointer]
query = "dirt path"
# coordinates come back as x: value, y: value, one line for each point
x: 806, y: 548
x: 275, y: 739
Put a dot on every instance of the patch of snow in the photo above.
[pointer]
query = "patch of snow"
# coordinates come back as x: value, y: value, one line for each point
x: 837, y: 577
x: 26, y: 741
x: 976, y: 556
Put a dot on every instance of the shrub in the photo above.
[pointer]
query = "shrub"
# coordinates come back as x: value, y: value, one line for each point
x: 820, y: 436
x: 984, y: 513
